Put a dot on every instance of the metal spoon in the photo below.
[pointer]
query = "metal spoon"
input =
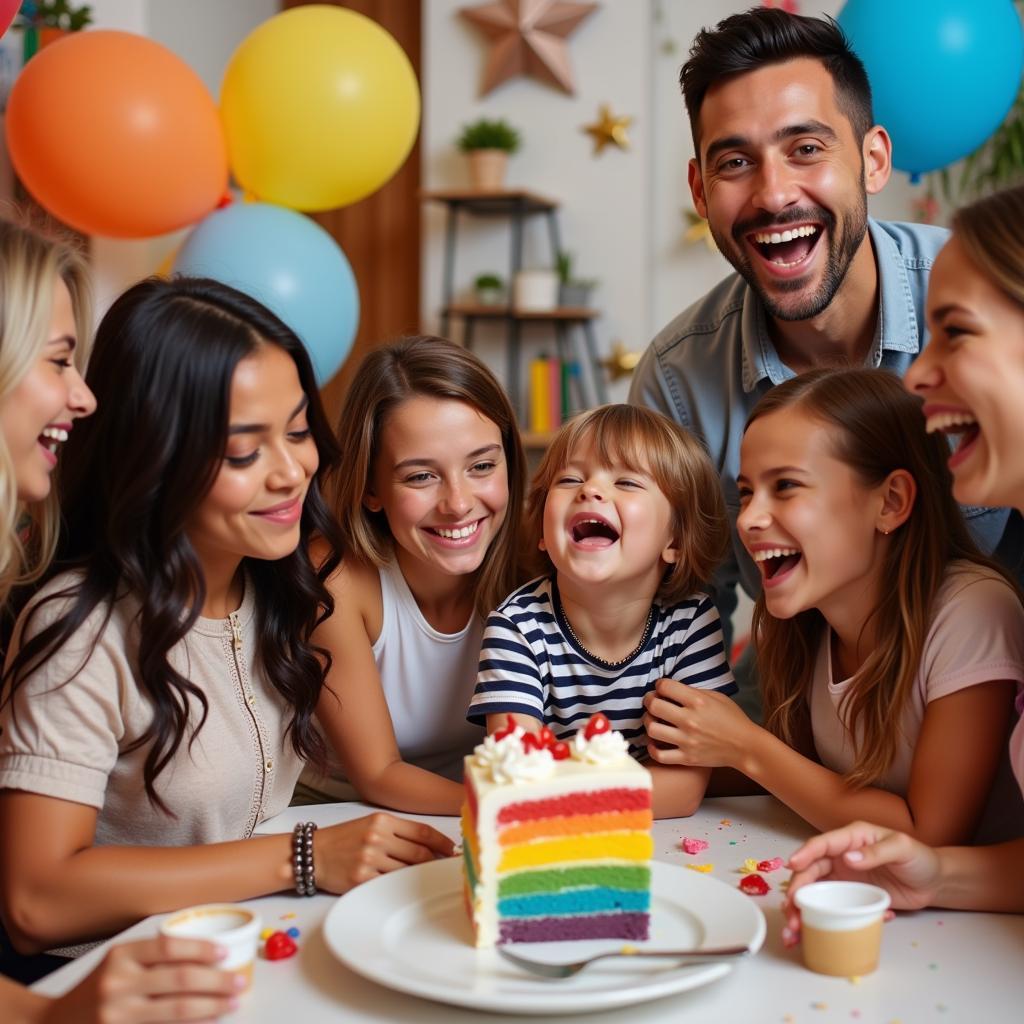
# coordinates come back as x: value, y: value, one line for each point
x: 691, y: 956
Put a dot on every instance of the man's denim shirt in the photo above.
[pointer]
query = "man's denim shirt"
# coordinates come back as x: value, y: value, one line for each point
x: 710, y: 365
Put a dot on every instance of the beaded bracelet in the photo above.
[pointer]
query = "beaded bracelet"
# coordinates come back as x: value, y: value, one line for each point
x: 302, y: 858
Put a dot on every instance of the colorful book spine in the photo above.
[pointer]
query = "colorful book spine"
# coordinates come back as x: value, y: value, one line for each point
x: 540, y: 398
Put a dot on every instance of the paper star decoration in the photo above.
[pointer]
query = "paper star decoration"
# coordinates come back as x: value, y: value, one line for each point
x: 698, y: 230
x: 528, y: 37
x: 608, y: 130
x: 621, y: 362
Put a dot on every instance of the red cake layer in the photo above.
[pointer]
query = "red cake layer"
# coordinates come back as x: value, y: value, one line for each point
x: 600, y: 801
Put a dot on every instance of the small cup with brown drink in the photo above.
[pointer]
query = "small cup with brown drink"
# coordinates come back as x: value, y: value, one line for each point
x: 841, y: 926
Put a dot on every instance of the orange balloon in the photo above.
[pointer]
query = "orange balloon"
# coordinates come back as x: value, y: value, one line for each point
x: 115, y: 135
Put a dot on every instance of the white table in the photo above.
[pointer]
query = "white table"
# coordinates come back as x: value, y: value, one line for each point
x: 938, y: 967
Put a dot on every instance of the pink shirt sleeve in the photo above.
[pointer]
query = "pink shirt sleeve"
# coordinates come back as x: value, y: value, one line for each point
x: 977, y: 634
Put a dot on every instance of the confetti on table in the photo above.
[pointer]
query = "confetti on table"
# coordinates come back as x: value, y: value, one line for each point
x: 770, y: 865
x: 749, y: 866
x: 702, y: 868
x: 693, y: 845
x: 754, y: 885
x: 855, y: 1014
x: 266, y: 933
x: 725, y: 823
x: 279, y: 946
x: 732, y: 842
x: 789, y: 1019
x: 288, y: 916
x: 819, y: 1006
x: 293, y: 932
x: 854, y: 979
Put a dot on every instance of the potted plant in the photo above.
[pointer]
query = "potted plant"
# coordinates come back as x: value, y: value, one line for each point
x: 572, y: 291
x: 490, y: 290
x: 488, y: 145
x: 53, y: 19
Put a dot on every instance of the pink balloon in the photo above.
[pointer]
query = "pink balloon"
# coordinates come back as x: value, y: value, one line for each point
x: 8, y: 9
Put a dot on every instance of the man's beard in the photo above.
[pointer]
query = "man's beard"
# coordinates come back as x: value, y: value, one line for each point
x: 842, y: 247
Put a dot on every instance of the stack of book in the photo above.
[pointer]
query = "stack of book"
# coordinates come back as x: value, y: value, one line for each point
x: 549, y: 393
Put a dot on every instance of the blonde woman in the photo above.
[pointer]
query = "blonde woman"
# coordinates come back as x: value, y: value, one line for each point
x: 44, y: 324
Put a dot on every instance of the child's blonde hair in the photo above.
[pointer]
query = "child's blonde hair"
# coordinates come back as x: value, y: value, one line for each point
x: 876, y: 427
x: 649, y: 443
x: 388, y: 376
x: 32, y: 260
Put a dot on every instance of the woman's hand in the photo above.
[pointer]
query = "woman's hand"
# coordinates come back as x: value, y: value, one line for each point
x: 359, y: 850
x: 695, y: 727
x: 162, y: 979
x: 906, y: 868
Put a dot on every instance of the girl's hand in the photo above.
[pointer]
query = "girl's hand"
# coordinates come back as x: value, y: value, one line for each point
x: 162, y: 979
x: 694, y: 727
x: 359, y: 850
x: 907, y: 869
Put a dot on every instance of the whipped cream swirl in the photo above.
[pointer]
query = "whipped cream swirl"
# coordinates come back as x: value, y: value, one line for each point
x: 506, y: 761
x: 604, y: 748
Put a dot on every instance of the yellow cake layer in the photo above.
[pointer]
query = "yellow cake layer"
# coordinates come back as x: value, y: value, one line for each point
x: 604, y: 846
x: 575, y: 824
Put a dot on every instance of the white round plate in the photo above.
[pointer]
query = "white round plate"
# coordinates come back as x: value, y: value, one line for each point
x: 408, y: 931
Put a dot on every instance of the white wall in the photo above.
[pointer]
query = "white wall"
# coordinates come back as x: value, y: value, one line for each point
x: 622, y: 212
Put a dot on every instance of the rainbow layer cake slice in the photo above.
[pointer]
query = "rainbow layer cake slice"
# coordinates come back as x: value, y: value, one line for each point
x: 556, y: 837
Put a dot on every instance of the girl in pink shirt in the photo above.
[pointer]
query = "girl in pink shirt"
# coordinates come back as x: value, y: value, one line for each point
x: 971, y: 377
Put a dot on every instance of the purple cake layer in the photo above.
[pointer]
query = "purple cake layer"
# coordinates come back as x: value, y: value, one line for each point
x: 564, y: 929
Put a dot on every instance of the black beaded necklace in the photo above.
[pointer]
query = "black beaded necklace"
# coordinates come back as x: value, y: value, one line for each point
x: 604, y: 661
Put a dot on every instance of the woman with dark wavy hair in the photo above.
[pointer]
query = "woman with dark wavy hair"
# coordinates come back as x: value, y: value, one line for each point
x: 161, y: 687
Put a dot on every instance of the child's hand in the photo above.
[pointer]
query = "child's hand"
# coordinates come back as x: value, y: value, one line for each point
x: 906, y: 868
x: 694, y: 727
x: 359, y: 850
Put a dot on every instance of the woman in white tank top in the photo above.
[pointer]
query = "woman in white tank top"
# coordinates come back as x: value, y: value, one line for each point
x: 428, y: 493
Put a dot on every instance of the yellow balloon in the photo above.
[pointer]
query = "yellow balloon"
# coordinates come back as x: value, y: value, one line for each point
x: 320, y: 108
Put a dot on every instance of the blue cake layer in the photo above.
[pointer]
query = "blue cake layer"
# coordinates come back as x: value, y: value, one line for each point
x: 574, y: 901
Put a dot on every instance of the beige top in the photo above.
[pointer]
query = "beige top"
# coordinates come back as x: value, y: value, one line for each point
x: 68, y: 739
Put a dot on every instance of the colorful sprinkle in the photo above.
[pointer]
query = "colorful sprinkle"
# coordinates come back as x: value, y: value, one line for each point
x: 289, y: 916
x: 702, y: 868
x: 819, y: 1006
x: 854, y: 979
x: 725, y: 823
x: 770, y: 865
x: 732, y: 842
x: 266, y: 933
x: 749, y: 866
x: 293, y: 932
x: 754, y: 885
x: 693, y: 845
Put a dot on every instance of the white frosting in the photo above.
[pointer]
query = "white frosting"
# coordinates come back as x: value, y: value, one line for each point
x: 606, y: 748
x: 505, y: 761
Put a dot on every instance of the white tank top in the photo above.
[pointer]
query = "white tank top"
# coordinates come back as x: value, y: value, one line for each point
x: 428, y: 679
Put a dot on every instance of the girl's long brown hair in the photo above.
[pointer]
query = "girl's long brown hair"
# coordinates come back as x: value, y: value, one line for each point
x: 435, y: 368
x: 876, y: 428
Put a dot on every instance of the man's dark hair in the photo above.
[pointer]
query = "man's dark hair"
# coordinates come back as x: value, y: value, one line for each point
x: 767, y: 35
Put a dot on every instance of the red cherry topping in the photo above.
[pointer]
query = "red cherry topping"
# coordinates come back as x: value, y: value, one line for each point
x: 280, y: 946
x: 507, y: 731
x: 597, y: 725
x: 560, y: 750
x: 546, y: 736
x: 531, y: 741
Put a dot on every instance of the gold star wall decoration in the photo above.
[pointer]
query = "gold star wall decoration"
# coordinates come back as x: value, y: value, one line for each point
x: 621, y: 363
x: 698, y: 230
x: 528, y: 37
x: 608, y: 130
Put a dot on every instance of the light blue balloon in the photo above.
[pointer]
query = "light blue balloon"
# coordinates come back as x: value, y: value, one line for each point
x: 944, y: 73
x: 290, y: 264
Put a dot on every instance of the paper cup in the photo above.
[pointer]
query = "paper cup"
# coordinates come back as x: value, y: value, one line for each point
x: 229, y: 925
x: 841, y: 925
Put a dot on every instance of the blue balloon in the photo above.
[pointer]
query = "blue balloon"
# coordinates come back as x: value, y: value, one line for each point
x: 290, y: 264
x: 944, y: 73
